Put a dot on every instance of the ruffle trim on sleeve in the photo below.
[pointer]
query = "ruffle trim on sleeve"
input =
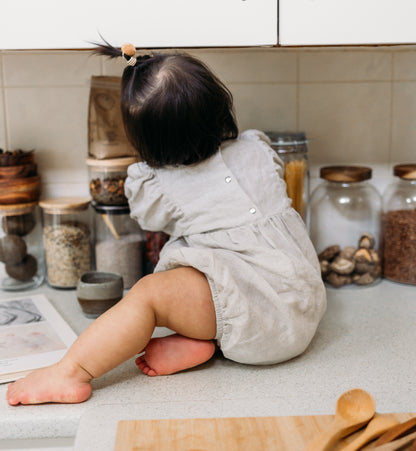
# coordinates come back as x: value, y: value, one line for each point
x: 149, y: 204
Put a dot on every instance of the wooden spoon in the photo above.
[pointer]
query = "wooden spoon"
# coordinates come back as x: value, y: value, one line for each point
x: 396, y: 432
x: 396, y: 444
x: 377, y: 426
x: 354, y: 409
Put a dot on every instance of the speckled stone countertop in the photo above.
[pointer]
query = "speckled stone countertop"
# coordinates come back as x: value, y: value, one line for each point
x: 367, y: 339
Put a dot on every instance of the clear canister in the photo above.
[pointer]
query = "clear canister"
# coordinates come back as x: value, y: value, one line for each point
x: 292, y: 148
x: 399, y: 225
x: 106, y: 179
x: 67, y: 239
x: 119, y: 243
x: 21, y: 252
x: 345, y: 223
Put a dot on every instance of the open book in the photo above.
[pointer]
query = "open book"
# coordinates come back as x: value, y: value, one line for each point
x: 32, y: 335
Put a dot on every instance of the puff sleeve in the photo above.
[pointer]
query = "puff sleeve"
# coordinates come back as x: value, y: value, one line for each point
x: 149, y: 205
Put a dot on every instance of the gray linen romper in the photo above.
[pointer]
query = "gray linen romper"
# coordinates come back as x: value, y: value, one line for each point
x: 230, y: 218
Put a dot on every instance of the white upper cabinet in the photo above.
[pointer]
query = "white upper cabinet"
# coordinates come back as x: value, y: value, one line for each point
x: 63, y: 24
x: 350, y: 22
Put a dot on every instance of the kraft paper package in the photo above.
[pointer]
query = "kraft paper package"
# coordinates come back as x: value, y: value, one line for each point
x: 106, y: 135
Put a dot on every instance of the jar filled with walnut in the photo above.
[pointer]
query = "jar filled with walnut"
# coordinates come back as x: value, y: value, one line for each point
x: 345, y: 223
x: 399, y: 225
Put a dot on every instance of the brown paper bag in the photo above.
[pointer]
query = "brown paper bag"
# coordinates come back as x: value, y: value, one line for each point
x: 106, y: 135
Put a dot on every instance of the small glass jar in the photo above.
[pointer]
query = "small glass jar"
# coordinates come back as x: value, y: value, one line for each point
x: 292, y: 148
x: 67, y: 240
x: 119, y: 243
x: 21, y: 252
x: 399, y: 225
x: 345, y: 223
x: 106, y: 179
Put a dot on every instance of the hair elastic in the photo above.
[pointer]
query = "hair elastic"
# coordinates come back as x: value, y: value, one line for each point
x: 128, y: 51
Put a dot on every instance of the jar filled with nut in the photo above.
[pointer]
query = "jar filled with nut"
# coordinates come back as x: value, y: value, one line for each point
x: 21, y: 252
x: 399, y: 225
x: 106, y: 179
x: 345, y: 223
x: 67, y: 240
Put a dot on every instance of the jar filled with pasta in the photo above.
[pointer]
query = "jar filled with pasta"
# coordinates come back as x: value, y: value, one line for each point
x: 292, y: 148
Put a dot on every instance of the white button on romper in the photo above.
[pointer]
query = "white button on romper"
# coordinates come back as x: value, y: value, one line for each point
x: 230, y: 218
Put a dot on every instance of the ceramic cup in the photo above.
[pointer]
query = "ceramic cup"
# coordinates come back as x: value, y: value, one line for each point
x: 98, y: 291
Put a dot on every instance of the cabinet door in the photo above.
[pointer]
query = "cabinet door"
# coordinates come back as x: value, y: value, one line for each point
x: 42, y: 24
x: 334, y: 22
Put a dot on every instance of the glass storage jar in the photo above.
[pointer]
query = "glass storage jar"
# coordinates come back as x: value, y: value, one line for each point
x: 345, y: 223
x: 21, y: 252
x: 119, y: 243
x: 292, y: 148
x: 106, y: 179
x: 67, y: 239
x: 399, y: 225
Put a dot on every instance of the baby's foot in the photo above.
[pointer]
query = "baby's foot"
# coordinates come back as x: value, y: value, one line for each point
x: 52, y: 384
x: 174, y: 353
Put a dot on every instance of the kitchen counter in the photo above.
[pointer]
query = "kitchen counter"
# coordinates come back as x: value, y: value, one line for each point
x: 367, y: 339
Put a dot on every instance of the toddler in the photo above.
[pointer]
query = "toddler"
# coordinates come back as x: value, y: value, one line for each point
x: 238, y: 270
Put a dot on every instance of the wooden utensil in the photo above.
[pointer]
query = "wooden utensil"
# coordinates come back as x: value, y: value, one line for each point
x: 397, y: 444
x: 396, y: 432
x: 377, y: 426
x: 353, y: 410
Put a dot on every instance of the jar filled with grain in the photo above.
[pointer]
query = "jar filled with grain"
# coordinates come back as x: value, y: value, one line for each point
x: 67, y: 240
x: 292, y: 148
x: 106, y: 179
x: 345, y: 223
x: 119, y: 243
x: 399, y: 225
x: 21, y: 251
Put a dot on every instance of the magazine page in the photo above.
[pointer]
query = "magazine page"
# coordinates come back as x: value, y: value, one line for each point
x: 32, y: 335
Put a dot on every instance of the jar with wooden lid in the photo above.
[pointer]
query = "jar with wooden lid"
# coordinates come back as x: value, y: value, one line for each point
x: 399, y: 225
x: 21, y: 252
x: 292, y: 148
x: 67, y: 239
x: 106, y: 179
x: 345, y: 226
x: 119, y: 242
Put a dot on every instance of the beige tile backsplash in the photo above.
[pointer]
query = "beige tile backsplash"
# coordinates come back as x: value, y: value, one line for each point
x: 356, y: 105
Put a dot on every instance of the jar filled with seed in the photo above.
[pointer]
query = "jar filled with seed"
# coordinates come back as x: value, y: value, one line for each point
x: 21, y: 252
x: 106, y: 179
x: 292, y: 148
x: 345, y: 223
x: 119, y: 242
x: 399, y: 225
x: 67, y: 240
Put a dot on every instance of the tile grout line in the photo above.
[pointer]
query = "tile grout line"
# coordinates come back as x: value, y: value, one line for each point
x: 390, y: 154
x: 3, y: 106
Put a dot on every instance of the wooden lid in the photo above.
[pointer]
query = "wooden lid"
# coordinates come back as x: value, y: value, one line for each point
x: 405, y: 171
x: 345, y: 174
x: 17, y: 209
x: 62, y: 205
x: 111, y: 163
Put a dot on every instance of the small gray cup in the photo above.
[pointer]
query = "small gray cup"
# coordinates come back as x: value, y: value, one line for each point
x: 98, y: 291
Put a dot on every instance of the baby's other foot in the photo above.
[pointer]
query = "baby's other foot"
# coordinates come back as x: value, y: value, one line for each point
x: 168, y: 355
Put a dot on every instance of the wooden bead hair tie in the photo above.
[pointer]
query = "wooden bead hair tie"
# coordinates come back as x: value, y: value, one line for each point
x: 128, y: 51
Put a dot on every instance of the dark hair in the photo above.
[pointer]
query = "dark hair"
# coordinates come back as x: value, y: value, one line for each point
x: 175, y: 110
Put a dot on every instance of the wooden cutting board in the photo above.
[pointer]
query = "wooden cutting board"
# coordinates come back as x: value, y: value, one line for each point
x: 226, y: 434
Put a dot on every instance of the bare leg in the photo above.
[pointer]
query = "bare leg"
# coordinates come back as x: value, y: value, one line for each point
x: 179, y: 299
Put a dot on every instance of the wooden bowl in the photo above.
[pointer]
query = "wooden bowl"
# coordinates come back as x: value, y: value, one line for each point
x: 20, y: 190
x: 19, y: 171
x: 16, y: 157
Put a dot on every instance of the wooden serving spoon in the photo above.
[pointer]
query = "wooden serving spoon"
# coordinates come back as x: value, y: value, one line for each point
x: 354, y: 409
x: 396, y: 432
x: 377, y: 426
